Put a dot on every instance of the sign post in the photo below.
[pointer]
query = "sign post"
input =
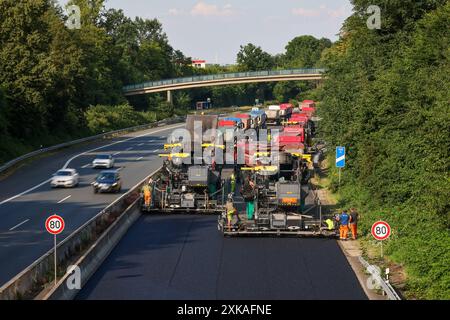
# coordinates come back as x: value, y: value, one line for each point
x: 381, y: 230
x: 340, y: 160
x: 54, y: 225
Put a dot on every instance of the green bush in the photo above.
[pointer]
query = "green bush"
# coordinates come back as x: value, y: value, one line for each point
x: 109, y: 118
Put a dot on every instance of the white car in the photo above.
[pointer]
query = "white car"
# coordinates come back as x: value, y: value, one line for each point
x: 65, y: 178
x: 103, y: 161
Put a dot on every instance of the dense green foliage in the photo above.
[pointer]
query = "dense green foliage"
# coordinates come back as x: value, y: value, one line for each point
x: 51, y: 75
x: 108, y: 118
x: 387, y: 99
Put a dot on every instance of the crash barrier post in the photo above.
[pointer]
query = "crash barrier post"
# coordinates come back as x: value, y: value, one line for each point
x: 378, y: 279
x: 30, y: 282
x: 106, y: 135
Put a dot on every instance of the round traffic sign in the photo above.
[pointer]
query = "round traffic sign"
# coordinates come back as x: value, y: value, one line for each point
x: 54, y: 224
x: 381, y: 230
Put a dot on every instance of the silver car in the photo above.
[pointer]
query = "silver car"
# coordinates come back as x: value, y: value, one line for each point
x: 103, y: 161
x: 65, y: 178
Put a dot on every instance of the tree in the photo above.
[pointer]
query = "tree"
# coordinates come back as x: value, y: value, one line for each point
x: 305, y: 51
x: 252, y: 58
x: 386, y: 99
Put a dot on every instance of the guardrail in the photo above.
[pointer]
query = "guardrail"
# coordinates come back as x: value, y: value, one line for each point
x: 37, y: 277
x: 105, y: 135
x: 221, y: 76
x: 386, y: 286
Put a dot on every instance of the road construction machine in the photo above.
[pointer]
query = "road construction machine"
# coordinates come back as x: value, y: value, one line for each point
x: 187, y: 181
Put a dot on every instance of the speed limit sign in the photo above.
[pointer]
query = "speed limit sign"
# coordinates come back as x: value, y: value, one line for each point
x: 381, y: 230
x: 54, y: 224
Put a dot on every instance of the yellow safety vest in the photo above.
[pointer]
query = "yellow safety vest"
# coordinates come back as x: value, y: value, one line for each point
x: 330, y: 224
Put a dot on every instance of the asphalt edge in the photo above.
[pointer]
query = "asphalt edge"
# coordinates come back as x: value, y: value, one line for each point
x: 358, y: 269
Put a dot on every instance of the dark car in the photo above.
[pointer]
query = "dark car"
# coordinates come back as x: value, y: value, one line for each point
x: 107, y: 181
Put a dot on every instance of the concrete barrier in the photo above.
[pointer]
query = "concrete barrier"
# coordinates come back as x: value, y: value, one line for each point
x: 92, y: 259
x: 99, y: 230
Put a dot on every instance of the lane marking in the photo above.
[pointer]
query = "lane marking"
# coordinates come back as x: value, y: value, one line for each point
x: 86, y: 165
x: 156, y: 151
x: 140, y: 144
x: 129, y: 149
x: 16, y: 226
x: 140, y: 158
x: 152, y: 141
x: 85, y: 152
x: 115, y: 154
x: 26, y: 191
x: 62, y: 200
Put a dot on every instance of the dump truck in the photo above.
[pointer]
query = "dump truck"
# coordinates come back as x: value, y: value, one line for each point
x: 273, y: 115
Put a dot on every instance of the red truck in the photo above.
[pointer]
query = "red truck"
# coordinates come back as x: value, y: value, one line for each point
x: 308, y: 107
x: 286, y: 110
x: 245, y: 118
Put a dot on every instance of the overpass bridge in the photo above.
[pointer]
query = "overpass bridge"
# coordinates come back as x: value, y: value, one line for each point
x: 221, y: 79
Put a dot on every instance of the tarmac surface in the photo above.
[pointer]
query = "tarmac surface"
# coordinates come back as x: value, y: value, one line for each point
x: 186, y: 257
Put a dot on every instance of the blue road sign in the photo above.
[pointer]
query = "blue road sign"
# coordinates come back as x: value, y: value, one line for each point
x: 340, y: 157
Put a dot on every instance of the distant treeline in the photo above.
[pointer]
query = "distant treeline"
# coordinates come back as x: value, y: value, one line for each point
x: 57, y: 84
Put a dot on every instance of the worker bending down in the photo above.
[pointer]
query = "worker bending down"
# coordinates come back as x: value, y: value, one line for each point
x: 231, y: 211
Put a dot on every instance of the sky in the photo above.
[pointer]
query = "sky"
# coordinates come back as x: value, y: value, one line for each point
x: 214, y: 30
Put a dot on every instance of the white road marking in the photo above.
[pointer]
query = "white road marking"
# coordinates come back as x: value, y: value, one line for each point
x: 156, y: 151
x: 62, y: 200
x: 85, y: 152
x: 140, y: 144
x: 115, y: 154
x: 152, y: 141
x: 16, y: 226
x: 86, y: 165
x: 140, y: 158
x: 25, y: 192
x: 129, y: 148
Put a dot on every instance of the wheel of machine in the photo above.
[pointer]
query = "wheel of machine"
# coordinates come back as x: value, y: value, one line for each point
x: 95, y: 190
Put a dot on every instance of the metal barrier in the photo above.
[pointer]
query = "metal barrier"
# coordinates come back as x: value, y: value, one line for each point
x: 106, y: 135
x: 31, y: 281
x: 386, y: 286
x: 221, y: 76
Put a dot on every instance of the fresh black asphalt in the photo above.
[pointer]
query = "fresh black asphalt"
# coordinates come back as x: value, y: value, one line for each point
x: 186, y: 257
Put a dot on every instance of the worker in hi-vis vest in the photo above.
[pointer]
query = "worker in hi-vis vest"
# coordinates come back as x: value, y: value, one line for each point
x: 233, y: 183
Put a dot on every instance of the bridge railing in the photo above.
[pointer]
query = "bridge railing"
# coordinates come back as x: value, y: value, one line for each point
x: 220, y: 76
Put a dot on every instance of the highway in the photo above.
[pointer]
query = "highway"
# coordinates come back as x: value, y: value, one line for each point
x: 161, y: 256
x: 26, y: 198
x: 185, y: 257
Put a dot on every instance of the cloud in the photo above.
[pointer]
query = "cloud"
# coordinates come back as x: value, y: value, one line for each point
x: 211, y: 10
x: 322, y: 11
x: 337, y: 13
x: 302, y: 12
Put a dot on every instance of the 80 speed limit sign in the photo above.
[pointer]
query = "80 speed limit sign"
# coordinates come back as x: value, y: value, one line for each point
x: 54, y: 224
x: 381, y: 230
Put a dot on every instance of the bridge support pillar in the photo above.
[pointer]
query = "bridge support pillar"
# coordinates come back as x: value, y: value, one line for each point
x: 169, y: 97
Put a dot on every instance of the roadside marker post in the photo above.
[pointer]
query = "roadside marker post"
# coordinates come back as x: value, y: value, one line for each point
x: 381, y: 230
x: 54, y: 225
x: 340, y: 160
